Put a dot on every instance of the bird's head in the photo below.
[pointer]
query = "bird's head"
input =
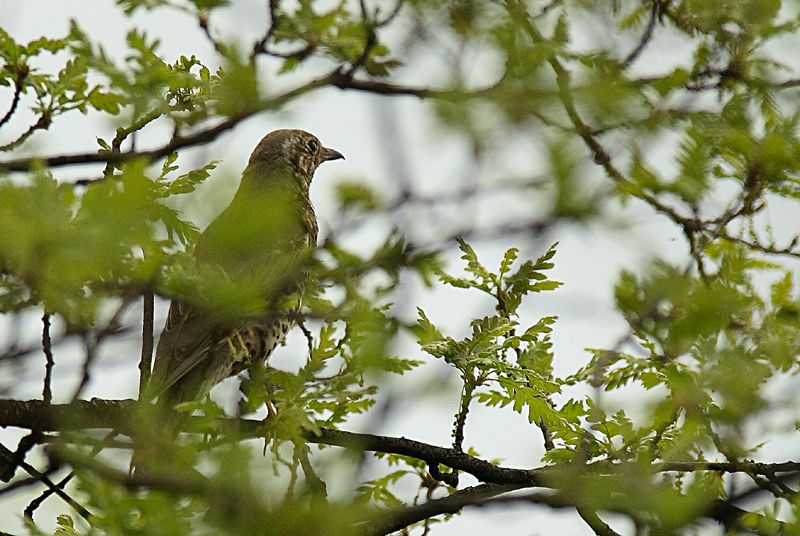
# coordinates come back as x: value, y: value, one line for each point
x: 297, y: 150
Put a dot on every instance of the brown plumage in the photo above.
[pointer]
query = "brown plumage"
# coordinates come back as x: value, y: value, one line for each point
x: 259, y: 242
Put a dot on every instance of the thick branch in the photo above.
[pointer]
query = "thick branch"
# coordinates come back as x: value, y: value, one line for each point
x: 481, y: 469
x: 397, y: 519
x: 719, y: 510
x: 117, y: 414
x: 78, y: 415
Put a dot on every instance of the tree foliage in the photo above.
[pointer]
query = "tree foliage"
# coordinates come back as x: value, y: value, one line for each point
x: 712, y: 337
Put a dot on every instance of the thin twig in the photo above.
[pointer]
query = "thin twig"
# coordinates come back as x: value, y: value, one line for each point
x: 600, y: 527
x: 584, y: 131
x: 61, y: 484
x: 261, y: 45
x: 145, y: 363
x: 42, y: 477
x: 37, y: 502
x: 461, y: 416
x: 770, y: 249
x: 92, y: 340
x: 314, y: 482
x: 547, y: 437
x: 47, y: 394
x: 369, y: 43
x: 391, y: 16
x: 12, y: 460
x: 123, y: 133
x: 202, y: 21
x: 19, y: 84
x: 90, y: 354
x: 43, y: 123
x: 308, y: 335
x: 646, y: 36
x: 18, y: 485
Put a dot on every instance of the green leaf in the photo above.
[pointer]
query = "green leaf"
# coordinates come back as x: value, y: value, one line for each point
x: 186, y: 183
x: 65, y: 526
x: 236, y: 91
x: 104, y: 144
x: 210, y: 4
x: 530, y: 277
x: 106, y: 102
x: 424, y: 329
x: 356, y: 196
x: 473, y: 265
x: 508, y: 259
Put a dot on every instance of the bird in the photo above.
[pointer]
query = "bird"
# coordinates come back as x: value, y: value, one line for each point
x: 259, y: 242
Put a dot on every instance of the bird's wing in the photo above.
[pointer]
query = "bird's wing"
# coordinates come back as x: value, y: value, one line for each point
x: 192, y: 337
x: 186, y: 341
x: 260, y: 247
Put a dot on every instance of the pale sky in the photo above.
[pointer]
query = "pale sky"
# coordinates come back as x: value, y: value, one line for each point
x: 588, y: 262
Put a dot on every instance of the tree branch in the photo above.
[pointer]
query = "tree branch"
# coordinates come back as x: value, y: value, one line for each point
x: 177, y: 142
x: 585, y: 132
x: 719, y: 510
x: 336, y: 78
x: 18, y: 86
x: 47, y: 394
x: 396, y: 519
x: 122, y: 134
x: 43, y: 123
x: 118, y: 415
x: 189, y: 484
x: 646, y: 36
x: 145, y: 362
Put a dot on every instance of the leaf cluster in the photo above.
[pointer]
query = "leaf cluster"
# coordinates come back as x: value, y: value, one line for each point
x: 70, y: 251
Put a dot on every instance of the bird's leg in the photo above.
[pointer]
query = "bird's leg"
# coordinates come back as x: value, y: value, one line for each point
x: 272, y: 411
x: 230, y: 345
x: 242, y: 344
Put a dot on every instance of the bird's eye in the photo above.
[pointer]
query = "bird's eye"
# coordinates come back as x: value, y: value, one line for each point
x: 313, y: 145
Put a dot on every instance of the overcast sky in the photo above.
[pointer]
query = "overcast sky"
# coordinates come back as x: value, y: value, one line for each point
x: 383, y: 139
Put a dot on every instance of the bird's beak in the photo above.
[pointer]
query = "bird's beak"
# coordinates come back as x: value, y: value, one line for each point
x: 331, y: 154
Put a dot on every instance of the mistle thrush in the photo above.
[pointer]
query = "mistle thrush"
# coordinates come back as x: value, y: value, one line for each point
x: 261, y: 239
